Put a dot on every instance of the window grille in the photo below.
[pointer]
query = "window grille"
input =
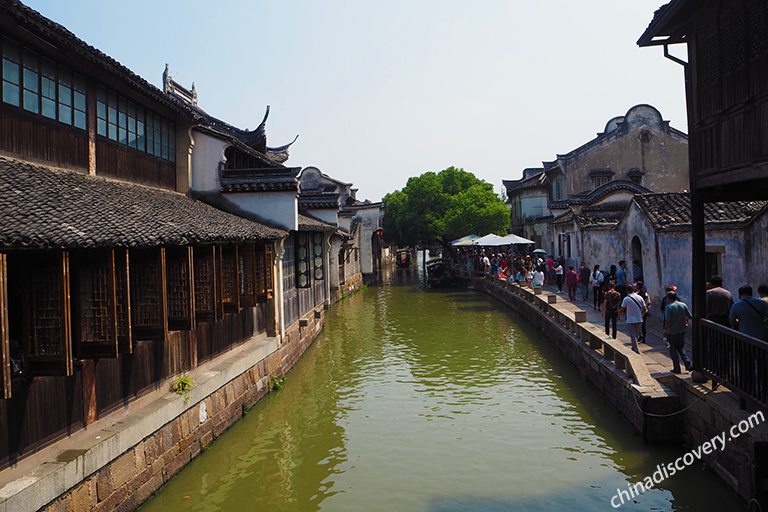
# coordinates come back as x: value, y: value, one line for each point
x: 41, y: 86
x: 179, y: 288
x: 205, y: 284
x: 47, y: 335
x: 289, y: 276
x: 303, y: 265
x: 148, y: 290
x: 129, y: 124
x: 317, y: 252
x: 230, y: 295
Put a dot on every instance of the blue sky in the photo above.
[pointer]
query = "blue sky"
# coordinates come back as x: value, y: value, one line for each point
x: 381, y: 91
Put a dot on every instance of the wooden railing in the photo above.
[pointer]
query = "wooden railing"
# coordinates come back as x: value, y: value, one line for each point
x: 738, y: 361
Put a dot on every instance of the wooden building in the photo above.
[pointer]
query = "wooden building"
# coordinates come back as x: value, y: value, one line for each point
x: 112, y: 280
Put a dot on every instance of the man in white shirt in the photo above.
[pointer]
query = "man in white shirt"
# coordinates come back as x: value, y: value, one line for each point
x: 634, y: 306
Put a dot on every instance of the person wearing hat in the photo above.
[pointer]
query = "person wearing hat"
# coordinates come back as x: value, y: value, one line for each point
x: 663, y: 305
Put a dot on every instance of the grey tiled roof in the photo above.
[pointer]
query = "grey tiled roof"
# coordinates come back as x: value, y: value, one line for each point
x: 674, y: 209
x: 48, y: 208
x: 308, y: 223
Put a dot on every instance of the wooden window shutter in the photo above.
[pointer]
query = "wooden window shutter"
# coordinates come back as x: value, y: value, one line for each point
x: 269, y: 262
x: 230, y: 294
x: 149, y: 306
x: 247, y: 276
x: 123, y: 301
x: 204, y: 271
x: 5, y: 352
x: 180, y: 287
x: 94, y: 302
x: 47, y: 332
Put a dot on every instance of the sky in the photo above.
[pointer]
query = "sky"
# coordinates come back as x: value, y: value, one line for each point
x: 382, y: 91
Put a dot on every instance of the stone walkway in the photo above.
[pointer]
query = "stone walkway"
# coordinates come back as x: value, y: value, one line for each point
x: 654, y: 350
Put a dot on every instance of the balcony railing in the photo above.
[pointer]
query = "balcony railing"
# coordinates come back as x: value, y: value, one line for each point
x: 738, y: 361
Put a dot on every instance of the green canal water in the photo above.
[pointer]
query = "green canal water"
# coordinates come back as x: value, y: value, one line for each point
x: 414, y: 399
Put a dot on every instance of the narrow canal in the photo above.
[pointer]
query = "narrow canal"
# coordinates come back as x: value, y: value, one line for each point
x: 432, y: 400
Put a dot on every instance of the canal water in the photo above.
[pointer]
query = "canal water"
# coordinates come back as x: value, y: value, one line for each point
x: 414, y: 399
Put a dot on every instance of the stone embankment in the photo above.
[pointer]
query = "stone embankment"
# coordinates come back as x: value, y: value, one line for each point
x: 661, y: 406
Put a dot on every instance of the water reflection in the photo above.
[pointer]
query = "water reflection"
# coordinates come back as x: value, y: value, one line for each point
x: 439, y: 400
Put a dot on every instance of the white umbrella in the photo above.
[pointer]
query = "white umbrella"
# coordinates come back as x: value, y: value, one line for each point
x: 491, y: 240
x: 514, y: 240
x: 465, y: 240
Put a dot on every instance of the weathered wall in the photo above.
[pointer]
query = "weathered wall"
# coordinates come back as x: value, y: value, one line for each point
x: 664, y: 159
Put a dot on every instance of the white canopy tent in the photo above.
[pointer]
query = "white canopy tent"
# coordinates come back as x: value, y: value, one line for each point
x: 494, y: 240
x: 465, y: 240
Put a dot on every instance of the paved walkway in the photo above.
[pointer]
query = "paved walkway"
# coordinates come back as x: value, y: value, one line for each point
x: 654, y: 350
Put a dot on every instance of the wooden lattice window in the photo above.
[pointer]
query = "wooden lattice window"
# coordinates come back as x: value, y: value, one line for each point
x: 179, y: 285
x: 148, y: 294
x: 93, y: 304
x: 205, y: 284
x: 289, y: 269
x: 303, y: 260
x: 247, y: 277
x: 123, y: 302
x: 230, y: 293
x: 269, y: 262
x: 47, y: 330
x: 317, y: 255
x: 5, y: 351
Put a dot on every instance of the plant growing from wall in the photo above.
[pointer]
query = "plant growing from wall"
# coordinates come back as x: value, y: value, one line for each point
x: 182, y: 385
x: 276, y: 383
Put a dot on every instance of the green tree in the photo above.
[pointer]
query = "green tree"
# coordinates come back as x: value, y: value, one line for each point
x: 439, y: 207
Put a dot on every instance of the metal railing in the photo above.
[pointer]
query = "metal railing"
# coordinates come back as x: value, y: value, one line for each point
x: 739, y: 361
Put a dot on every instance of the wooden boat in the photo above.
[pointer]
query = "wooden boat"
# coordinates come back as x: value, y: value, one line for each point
x: 439, y: 272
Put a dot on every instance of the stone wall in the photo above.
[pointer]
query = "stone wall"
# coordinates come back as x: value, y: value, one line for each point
x: 703, y: 412
x: 128, y: 480
x: 607, y: 367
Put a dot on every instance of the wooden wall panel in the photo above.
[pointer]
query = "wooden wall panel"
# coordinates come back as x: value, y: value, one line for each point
x: 36, y: 138
x: 125, y: 164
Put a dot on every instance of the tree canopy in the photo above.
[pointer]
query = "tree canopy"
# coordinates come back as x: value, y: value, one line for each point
x: 439, y: 207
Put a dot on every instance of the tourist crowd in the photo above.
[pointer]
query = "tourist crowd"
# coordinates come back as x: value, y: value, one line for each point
x: 620, y: 292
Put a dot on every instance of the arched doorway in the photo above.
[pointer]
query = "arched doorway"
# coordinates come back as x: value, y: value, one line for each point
x: 637, y: 256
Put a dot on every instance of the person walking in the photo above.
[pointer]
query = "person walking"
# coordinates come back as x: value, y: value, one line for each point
x: 611, y: 304
x: 676, y: 318
x: 748, y: 314
x: 596, y: 282
x: 635, y: 309
x: 584, y: 274
x: 642, y: 292
x: 571, y: 282
x: 719, y: 302
x: 559, y: 277
x: 622, y: 284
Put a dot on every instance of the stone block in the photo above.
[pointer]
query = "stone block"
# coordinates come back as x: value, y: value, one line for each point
x: 149, y: 488
x: 139, y: 458
x: 175, y: 465
x: 113, y: 501
x: 104, y: 485
x: 81, y: 500
x: 123, y: 469
x: 551, y: 299
x: 151, y: 450
x: 580, y: 316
